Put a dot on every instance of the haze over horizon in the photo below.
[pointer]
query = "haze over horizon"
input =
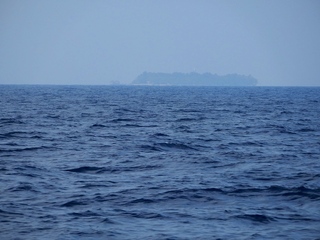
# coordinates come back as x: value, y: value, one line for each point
x: 100, y: 42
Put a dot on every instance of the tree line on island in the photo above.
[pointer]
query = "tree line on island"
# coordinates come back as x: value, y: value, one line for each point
x: 194, y: 79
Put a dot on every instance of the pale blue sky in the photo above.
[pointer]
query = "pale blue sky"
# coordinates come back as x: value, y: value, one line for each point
x: 97, y: 42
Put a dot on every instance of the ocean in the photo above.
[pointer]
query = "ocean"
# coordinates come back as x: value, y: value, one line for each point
x: 151, y: 162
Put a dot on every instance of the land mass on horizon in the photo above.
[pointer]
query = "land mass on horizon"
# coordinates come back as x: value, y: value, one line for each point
x: 194, y: 79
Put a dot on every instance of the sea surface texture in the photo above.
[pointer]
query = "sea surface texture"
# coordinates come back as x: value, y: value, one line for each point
x: 134, y: 162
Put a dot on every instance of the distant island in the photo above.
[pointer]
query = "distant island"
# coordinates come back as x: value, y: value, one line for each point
x: 193, y: 79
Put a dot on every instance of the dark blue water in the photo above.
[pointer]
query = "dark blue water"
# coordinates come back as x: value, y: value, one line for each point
x: 120, y: 162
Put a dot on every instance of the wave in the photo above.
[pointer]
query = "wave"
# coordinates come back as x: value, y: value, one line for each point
x: 293, y: 192
x: 108, y: 220
x: 140, y: 214
x: 129, y: 124
x: 96, y: 125
x: 186, y: 119
x: 296, y: 192
x: 23, y: 187
x: 84, y: 214
x: 99, y: 170
x: 21, y: 134
x: 74, y: 203
x: 11, y: 121
x: 87, y: 169
x: 306, y: 130
x: 11, y: 150
x: 166, y: 146
x: 180, y: 146
x: 118, y: 120
x: 150, y: 148
x: 211, y: 194
x: 260, y: 218
x: 7, y: 213
x: 160, y: 135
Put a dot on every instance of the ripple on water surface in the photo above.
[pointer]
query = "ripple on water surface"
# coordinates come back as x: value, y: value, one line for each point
x: 159, y: 163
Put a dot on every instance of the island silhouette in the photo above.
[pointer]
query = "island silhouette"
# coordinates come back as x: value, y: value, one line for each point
x: 193, y: 79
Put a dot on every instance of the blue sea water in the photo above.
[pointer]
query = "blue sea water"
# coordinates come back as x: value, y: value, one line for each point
x: 129, y: 162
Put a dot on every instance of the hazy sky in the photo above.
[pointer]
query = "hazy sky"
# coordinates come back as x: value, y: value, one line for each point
x: 97, y: 42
